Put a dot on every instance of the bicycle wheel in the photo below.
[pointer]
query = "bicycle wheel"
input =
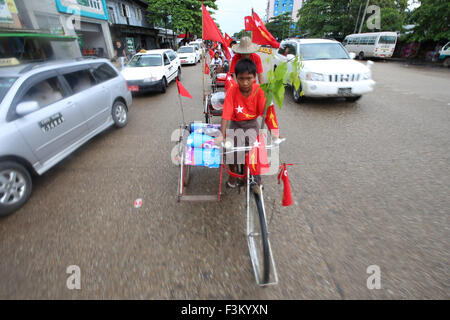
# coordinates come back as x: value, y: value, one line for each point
x: 258, y: 242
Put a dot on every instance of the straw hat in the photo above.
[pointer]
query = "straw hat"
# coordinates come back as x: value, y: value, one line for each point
x: 245, y: 46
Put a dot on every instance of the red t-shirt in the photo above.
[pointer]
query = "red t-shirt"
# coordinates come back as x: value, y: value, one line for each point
x: 239, y: 108
x: 254, y: 57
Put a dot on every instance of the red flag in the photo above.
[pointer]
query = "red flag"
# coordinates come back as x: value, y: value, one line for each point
x: 229, y: 82
x: 249, y: 23
x: 182, y: 91
x: 211, y: 53
x: 228, y: 39
x: 257, y: 157
x: 271, y: 118
x: 206, y: 68
x: 261, y: 35
x: 211, y: 32
x: 287, y: 195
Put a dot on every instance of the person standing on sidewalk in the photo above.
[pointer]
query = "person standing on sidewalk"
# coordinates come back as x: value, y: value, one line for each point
x: 120, y: 53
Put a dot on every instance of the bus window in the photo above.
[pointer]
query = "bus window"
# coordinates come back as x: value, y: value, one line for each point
x: 387, y: 39
x: 345, y: 41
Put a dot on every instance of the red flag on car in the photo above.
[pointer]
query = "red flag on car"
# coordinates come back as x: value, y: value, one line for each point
x: 182, y: 91
x: 257, y: 157
x: 271, y: 118
x: 287, y: 195
x: 211, y: 32
x: 260, y: 34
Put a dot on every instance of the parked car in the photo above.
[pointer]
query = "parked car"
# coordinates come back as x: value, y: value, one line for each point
x: 189, y: 55
x: 328, y: 69
x: 152, y: 70
x: 444, y: 55
x: 47, y: 111
x: 198, y: 49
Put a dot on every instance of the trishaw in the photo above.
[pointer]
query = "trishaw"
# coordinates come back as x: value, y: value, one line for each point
x: 257, y: 234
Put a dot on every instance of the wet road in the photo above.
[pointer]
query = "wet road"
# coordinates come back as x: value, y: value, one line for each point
x: 370, y: 183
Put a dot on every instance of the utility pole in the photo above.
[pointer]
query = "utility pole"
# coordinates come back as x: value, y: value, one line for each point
x: 357, y: 20
x: 364, y: 16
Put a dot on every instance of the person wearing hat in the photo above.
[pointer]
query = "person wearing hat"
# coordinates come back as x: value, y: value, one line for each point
x: 247, y: 50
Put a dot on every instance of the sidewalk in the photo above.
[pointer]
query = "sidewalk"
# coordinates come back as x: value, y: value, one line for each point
x: 418, y: 62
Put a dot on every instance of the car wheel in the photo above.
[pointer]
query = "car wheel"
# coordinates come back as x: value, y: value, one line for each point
x: 15, y: 187
x: 119, y: 114
x: 163, y: 85
x: 296, y: 94
x: 352, y: 99
x: 179, y: 74
x: 361, y: 56
x: 447, y: 62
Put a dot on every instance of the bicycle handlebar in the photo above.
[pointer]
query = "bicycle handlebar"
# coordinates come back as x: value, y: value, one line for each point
x: 231, y: 149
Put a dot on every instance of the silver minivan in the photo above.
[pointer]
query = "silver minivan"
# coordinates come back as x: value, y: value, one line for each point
x: 48, y: 110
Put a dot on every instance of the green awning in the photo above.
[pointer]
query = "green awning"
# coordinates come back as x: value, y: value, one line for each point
x: 48, y: 36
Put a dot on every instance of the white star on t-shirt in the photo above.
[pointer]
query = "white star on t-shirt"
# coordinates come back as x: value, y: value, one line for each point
x: 239, y: 109
x: 256, y: 144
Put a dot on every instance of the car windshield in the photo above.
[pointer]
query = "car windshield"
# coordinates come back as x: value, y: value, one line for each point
x: 5, y: 84
x: 146, y: 60
x: 323, y: 51
x: 387, y: 39
x: 186, y: 50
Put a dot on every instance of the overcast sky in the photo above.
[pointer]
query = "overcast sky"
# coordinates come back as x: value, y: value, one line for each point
x: 231, y: 13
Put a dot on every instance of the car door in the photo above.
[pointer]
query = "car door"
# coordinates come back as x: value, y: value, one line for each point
x: 57, y: 124
x: 92, y: 98
x: 169, y: 67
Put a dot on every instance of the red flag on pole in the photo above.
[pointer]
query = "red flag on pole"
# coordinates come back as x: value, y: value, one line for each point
x: 211, y: 53
x: 249, y: 23
x: 229, y: 82
x: 271, y: 118
x: 211, y: 32
x: 257, y: 157
x: 228, y: 39
x: 261, y: 35
x: 287, y: 195
x: 182, y: 91
x: 206, y: 68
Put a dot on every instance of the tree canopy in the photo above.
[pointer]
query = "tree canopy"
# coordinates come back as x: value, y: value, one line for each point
x: 431, y: 20
x: 242, y: 33
x: 281, y: 26
x: 337, y: 18
x: 185, y: 15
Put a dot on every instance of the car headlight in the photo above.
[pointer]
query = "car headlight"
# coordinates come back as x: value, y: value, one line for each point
x: 315, y: 76
x: 366, y: 76
x: 150, y: 79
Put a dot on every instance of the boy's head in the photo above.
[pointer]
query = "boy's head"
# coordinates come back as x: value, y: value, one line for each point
x: 245, y: 71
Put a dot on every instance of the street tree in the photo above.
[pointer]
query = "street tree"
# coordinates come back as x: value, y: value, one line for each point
x: 338, y: 18
x: 431, y: 20
x: 185, y: 15
x: 281, y: 26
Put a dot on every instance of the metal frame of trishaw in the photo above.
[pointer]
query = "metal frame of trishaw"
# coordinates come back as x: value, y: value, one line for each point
x: 257, y: 234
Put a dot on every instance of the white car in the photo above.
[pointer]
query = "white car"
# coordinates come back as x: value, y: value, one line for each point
x: 152, y: 70
x: 189, y: 55
x: 328, y: 69
x: 198, y: 48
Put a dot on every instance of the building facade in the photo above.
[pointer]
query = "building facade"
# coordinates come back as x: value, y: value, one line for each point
x: 278, y: 7
x: 35, y: 30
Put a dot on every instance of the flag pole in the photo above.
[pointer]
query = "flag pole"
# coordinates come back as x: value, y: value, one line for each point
x: 203, y: 61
